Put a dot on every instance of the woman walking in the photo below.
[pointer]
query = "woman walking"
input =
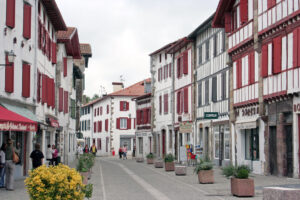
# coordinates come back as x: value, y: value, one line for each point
x: 120, y: 152
x: 49, y: 156
x: 86, y: 149
x: 124, y: 152
x: 9, y: 166
x: 54, y: 155
x: 2, y: 165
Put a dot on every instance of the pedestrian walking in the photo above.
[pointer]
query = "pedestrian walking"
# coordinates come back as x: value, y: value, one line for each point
x: 54, y: 155
x: 9, y: 166
x: 37, y: 157
x: 120, y: 152
x: 124, y: 153
x: 49, y: 156
x: 2, y: 165
x: 79, y: 150
x: 86, y: 149
x: 93, y: 149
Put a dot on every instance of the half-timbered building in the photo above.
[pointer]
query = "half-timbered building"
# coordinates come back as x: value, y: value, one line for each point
x: 263, y: 44
x: 212, y: 135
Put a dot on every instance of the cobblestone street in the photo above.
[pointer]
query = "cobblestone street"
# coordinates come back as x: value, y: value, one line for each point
x: 115, y: 179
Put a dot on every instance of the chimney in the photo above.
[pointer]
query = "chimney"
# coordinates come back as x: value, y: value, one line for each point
x: 117, y: 86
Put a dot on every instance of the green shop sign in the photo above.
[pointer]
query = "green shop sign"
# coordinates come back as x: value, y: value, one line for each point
x: 211, y: 115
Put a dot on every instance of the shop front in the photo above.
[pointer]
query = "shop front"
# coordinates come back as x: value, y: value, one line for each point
x: 20, y: 129
x: 221, y: 137
x: 249, y: 134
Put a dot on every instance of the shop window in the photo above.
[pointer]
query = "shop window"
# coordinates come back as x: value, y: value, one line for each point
x: 226, y: 143
x: 140, y: 145
x: 170, y: 139
x: 251, y: 144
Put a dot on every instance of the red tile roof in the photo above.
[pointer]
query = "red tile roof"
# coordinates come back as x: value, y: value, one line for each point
x: 71, y: 40
x: 65, y: 35
x: 134, y: 90
x: 163, y: 48
x: 219, y: 18
x: 178, y: 45
x: 85, y: 49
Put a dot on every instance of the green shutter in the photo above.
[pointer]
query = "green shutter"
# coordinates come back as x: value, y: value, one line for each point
x: 73, y: 109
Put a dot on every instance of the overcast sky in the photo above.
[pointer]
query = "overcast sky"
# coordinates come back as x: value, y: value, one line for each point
x: 124, y: 32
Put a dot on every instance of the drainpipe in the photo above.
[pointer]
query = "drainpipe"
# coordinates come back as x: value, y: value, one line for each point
x: 35, y: 51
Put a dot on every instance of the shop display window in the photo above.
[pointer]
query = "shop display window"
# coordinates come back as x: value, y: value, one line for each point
x: 251, y: 144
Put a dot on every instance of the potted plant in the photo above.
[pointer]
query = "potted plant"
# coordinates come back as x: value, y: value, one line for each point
x: 150, y: 158
x: 205, y: 171
x: 241, y: 185
x: 84, y: 166
x: 169, y: 163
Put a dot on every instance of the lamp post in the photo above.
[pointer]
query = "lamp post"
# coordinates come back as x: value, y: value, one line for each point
x: 11, y: 56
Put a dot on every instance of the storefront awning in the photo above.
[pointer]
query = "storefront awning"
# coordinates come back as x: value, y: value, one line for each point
x: 10, y: 121
x: 21, y: 111
x: 247, y: 123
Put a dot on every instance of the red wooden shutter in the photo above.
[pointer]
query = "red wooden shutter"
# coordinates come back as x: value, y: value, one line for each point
x: 134, y: 123
x: 185, y: 62
x: 10, y: 13
x: 98, y: 111
x: 26, y: 81
x: 138, y: 117
x: 158, y: 75
x: 53, y: 94
x: 186, y: 100
x: 277, y: 47
x: 106, y: 125
x: 44, y: 89
x: 239, y: 73
x: 48, y: 91
x: 145, y: 116
x: 264, y: 58
x: 295, y: 47
x: 128, y: 123
x: 165, y: 103
x: 127, y: 106
x: 178, y: 67
x: 107, y: 109
x: 271, y: 3
x: 61, y: 98
x: 298, y: 46
x: 27, y: 21
x: 38, y: 86
x: 95, y: 127
x: 39, y: 34
x: 178, y: 102
x: 118, y: 123
x: 9, y: 76
x: 160, y: 106
x: 170, y: 70
x: 227, y: 22
x: 54, y: 59
x: 251, y: 68
x: 121, y: 106
x: 65, y: 67
x: 95, y: 112
x: 100, y: 126
x: 244, y: 11
x: 66, y: 102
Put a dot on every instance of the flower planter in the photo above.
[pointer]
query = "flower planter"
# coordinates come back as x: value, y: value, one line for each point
x: 150, y: 161
x: 206, y: 176
x: 85, y: 176
x: 169, y: 166
x: 242, y: 187
x: 140, y: 160
x: 159, y: 164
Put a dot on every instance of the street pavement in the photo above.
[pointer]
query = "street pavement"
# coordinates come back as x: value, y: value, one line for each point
x: 116, y: 179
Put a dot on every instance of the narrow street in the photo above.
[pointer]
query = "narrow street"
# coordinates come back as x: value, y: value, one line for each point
x: 115, y: 179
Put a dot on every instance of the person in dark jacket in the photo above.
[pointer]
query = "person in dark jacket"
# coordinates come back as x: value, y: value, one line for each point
x: 86, y: 149
x: 37, y: 157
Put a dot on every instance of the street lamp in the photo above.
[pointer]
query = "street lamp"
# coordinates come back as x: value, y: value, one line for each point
x: 11, y: 56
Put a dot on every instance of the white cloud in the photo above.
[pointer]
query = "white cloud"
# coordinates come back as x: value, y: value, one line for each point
x: 123, y: 33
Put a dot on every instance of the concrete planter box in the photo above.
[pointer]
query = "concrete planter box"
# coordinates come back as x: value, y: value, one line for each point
x: 90, y: 174
x: 242, y: 187
x: 150, y: 161
x: 180, y: 170
x: 159, y: 164
x: 139, y: 160
x: 278, y: 193
x: 169, y: 166
x: 85, y: 176
x: 206, y: 176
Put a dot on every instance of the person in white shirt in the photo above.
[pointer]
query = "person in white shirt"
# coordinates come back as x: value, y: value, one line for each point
x: 79, y: 150
x: 49, y: 155
x: 2, y: 165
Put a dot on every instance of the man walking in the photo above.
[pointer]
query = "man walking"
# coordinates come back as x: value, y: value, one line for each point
x: 9, y: 166
x: 37, y: 157
x: 93, y: 149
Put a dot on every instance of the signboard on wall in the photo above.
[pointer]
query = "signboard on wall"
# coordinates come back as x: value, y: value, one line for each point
x: 211, y: 115
x: 186, y: 127
x: 182, y: 154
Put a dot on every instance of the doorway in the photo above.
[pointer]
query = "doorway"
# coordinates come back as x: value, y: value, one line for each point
x: 221, y: 157
x: 289, y: 150
x: 273, y: 150
x: 163, y: 143
x: 158, y: 146
x: 176, y: 145
x: 206, y: 146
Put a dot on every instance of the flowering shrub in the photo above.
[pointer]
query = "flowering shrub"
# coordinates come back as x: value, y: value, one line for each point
x: 55, y: 183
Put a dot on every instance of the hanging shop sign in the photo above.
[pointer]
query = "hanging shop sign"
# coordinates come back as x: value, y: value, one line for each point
x: 211, y: 115
x: 186, y: 127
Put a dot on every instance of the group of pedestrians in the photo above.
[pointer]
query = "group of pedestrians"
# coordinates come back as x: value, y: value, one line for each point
x: 86, y: 149
x: 10, y: 156
x: 123, y: 152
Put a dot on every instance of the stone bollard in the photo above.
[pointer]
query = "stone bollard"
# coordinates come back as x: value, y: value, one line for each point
x: 279, y: 193
x: 159, y: 164
x: 180, y: 170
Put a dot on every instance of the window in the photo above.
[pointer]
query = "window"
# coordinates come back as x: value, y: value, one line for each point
x: 123, y: 123
x: 170, y: 139
x: 224, y: 84
x: 251, y: 144
x: 166, y: 106
x: 217, y: 141
x: 200, y: 55
x: 141, y: 145
x: 107, y: 109
x: 160, y: 58
x: 207, y: 50
x: 124, y: 106
x: 199, y: 94
x: 206, y: 92
x: 214, y: 89
x: 179, y: 67
x: 215, y: 45
x: 226, y: 143
x: 73, y: 109
x: 160, y: 105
